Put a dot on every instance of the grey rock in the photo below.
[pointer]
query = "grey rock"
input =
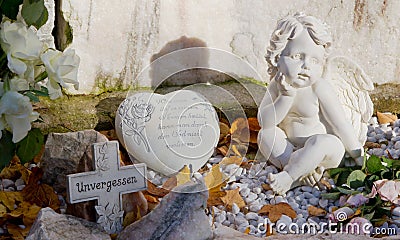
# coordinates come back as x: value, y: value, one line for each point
x: 19, y: 182
x: 20, y: 187
x: 180, y: 215
x: 50, y: 225
x: 67, y: 153
x: 6, y: 183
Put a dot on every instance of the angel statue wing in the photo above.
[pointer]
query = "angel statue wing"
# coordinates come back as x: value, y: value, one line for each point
x: 352, y: 86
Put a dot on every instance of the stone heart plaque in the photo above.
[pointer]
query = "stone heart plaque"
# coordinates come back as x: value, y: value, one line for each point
x: 168, y: 131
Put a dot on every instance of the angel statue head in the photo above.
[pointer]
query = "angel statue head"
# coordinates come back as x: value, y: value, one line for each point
x: 298, y: 48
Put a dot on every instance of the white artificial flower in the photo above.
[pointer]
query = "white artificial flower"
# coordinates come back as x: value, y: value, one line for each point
x: 18, y: 114
x: 21, y: 44
x: 62, y: 69
x: 18, y: 84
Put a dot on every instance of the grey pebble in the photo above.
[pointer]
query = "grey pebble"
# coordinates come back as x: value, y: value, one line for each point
x: 308, y: 195
x: 306, y: 189
x: 252, y: 216
x: 396, y: 211
x: 323, y: 203
x: 235, y: 208
x: 239, y: 221
x: 20, y: 187
x: 244, y: 192
x: 252, y: 196
x: 6, y: 183
x: 314, y: 201
x: 230, y: 217
x: 255, y: 207
x: 226, y: 223
x: 19, y: 182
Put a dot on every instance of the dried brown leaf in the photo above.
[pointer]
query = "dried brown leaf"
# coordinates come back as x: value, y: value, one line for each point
x: 223, y: 130
x: 238, y: 125
x: 315, y: 211
x: 154, y: 190
x: 253, y: 137
x: 385, y: 117
x: 275, y: 212
x: 325, y: 183
x: 266, y: 186
x: 235, y: 150
x: 39, y: 193
x: 231, y: 160
x: 372, y: 145
x: 3, y: 210
x: 231, y: 197
x: 10, y: 198
x: 214, y: 178
x: 16, y: 232
x: 223, y: 150
x: 15, y: 170
x: 183, y: 176
x: 253, y: 124
x: 170, y: 183
x: 214, y: 198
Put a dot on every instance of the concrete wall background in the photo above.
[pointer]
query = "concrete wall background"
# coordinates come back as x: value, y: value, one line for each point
x: 117, y: 39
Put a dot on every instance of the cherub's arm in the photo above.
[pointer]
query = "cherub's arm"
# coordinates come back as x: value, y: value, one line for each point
x: 275, y: 106
x: 335, y: 116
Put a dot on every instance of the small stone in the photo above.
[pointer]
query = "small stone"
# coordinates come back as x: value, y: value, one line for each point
x: 308, y: 195
x: 20, y: 187
x: 255, y: 207
x: 289, y: 194
x: 6, y: 183
x: 304, y: 202
x: 280, y: 199
x: 19, y: 182
x: 230, y: 217
x: 323, y: 203
x: 257, y: 190
x: 294, y: 205
x: 241, y: 221
x: 244, y: 192
x: 226, y: 223
x: 252, y: 196
x: 396, y: 211
x: 314, y: 201
x: 215, y: 160
x: 251, y: 216
x: 306, y: 189
x: 235, y: 208
x: 10, y: 189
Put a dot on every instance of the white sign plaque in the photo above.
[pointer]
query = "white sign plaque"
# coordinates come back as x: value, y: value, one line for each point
x: 106, y: 184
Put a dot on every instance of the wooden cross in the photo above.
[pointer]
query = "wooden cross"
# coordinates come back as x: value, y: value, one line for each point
x: 106, y: 184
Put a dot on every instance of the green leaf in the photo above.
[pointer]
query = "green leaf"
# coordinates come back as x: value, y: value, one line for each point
x: 374, y: 164
x: 333, y: 196
x: 7, y: 148
x: 356, y: 179
x: 34, y: 13
x: 389, y: 162
x: 30, y: 146
x: 10, y: 8
x: 369, y: 216
x: 347, y: 191
x: 32, y: 96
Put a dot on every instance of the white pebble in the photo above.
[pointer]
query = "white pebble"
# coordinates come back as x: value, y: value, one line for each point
x: 238, y: 172
x: 323, y: 203
x: 20, y: 187
x: 235, y: 208
x: 255, y: 207
x: 289, y: 194
x: 198, y: 176
x: 214, y: 160
x: 396, y: 211
x: 244, y: 192
x: 280, y: 199
x: 19, y: 182
x: 6, y: 183
x: 306, y: 189
x: 241, y: 221
x: 151, y: 175
x: 252, y: 196
x: 314, y: 201
x: 230, y: 217
x: 251, y: 216
x: 226, y: 223
x: 257, y: 190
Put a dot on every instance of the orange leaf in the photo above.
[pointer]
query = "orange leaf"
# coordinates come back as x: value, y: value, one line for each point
x: 231, y: 160
x: 231, y: 197
x: 215, y: 178
x: 153, y: 190
x: 385, y: 117
x: 9, y: 199
x: 3, y: 210
x: 17, y: 232
x: 238, y: 125
x: 183, y: 176
x: 223, y: 150
x: 253, y: 136
x: 247, y: 231
x: 253, y: 124
x: 223, y: 130
x: 275, y: 212
x: 41, y: 194
x: 314, y: 211
x: 170, y: 183
x: 15, y: 170
x: 214, y: 198
x: 151, y: 199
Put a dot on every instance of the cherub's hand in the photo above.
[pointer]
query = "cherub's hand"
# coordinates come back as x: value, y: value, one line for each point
x: 284, y: 87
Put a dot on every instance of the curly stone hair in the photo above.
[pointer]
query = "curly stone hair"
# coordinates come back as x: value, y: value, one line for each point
x: 289, y: 28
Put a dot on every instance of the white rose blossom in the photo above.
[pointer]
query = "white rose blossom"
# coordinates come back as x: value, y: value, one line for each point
x: 19, y: 84
x: 16, y: 113
x: 62, y: 69
x: 22, y: 46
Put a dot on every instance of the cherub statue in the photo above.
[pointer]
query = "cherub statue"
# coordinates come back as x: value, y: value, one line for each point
x: 316, y: 107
